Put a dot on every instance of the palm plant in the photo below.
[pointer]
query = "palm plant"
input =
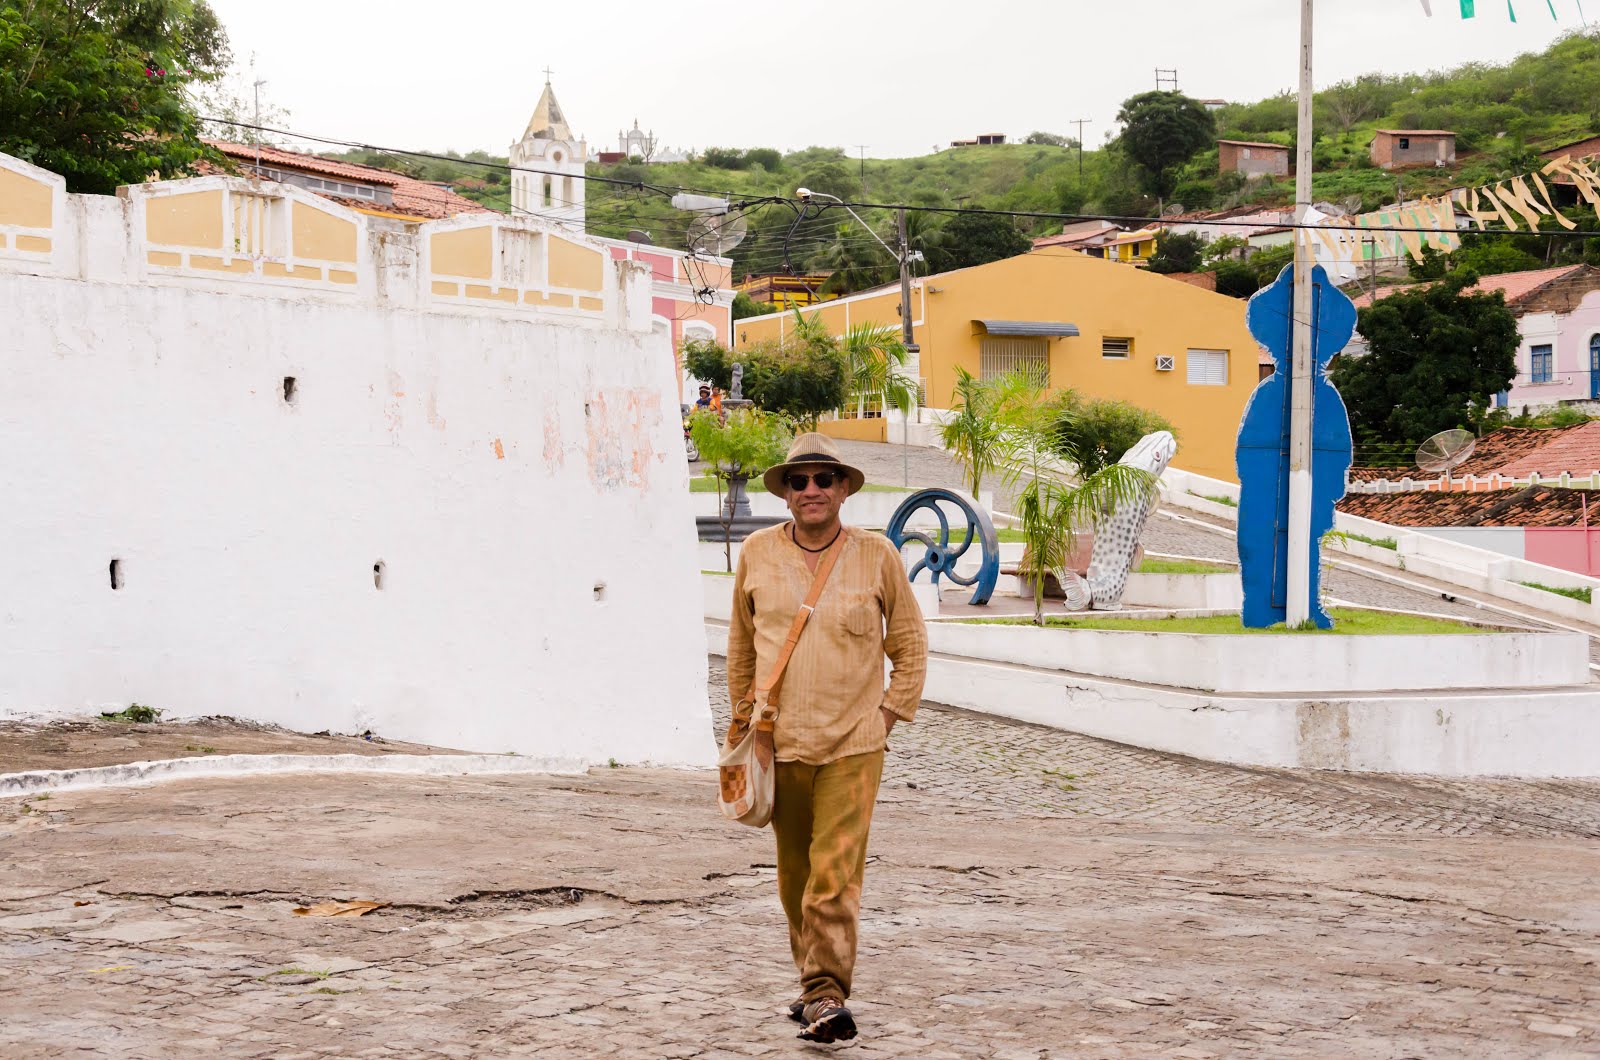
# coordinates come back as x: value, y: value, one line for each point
x: 875, y: 356
x: 972, y: 434
x: 1053, y: 510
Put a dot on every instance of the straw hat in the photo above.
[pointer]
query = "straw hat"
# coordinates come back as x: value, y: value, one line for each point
x: 811, y: 449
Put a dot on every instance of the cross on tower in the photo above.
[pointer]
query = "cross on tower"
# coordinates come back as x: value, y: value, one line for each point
x: 547, y: 73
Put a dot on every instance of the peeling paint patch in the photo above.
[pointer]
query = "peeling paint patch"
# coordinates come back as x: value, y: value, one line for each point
x: 554, y: 454
x: 436, y: 421
x: 1324, y: 735
x: 620, y: 446
x: 499, y: 450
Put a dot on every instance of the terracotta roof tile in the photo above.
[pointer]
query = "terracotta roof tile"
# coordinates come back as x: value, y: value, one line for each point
x: 1254, y: 143
x: 1514, y: 285
x: 412, y: 198
x: 1515, y: 452
x: 1533, y: 506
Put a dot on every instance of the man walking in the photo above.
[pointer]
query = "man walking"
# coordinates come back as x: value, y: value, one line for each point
x: 833, y: 714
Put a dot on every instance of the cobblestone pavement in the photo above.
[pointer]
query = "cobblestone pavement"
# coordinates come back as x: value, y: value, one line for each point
x: 1031, y: 893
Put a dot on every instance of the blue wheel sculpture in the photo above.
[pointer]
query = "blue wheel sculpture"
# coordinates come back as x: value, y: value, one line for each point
x: 940, y: 558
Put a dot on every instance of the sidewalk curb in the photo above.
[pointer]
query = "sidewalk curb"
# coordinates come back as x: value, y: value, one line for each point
x: 132, y: 774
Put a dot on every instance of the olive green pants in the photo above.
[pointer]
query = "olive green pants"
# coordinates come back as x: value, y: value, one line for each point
x: 821, y: 819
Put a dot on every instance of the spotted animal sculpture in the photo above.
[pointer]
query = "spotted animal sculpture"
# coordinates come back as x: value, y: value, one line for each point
x: 1116, y: 538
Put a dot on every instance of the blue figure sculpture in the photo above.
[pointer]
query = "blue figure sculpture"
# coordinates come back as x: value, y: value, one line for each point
x: 940, y: 557
x: 1262, y: 456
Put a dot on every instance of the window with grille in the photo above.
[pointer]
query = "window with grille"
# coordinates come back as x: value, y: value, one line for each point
x: 1117, y: 348
x: 1003, y: 355
x: 1543, y: 367
x: 1208, y: 367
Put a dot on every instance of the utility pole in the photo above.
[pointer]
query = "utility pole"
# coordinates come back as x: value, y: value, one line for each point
x: 913, y: 352
x: 1300, y: 558
x: 863, y: 149
x: 1080, y: 123
x: 257, y: 120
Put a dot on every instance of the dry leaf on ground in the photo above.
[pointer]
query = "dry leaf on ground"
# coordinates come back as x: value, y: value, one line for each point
x: 338, y: 908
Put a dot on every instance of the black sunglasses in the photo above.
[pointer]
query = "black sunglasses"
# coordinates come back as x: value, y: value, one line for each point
x: 824, y: 480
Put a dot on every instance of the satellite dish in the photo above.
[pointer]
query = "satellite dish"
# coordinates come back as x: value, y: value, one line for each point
x: 1445, y: 450
x: 1173, y: 210
x: 638, y: 235
x: 1352, y: 204
x: 716, y: 234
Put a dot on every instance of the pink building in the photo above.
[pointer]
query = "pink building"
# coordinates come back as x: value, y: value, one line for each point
x: 1558, y: 317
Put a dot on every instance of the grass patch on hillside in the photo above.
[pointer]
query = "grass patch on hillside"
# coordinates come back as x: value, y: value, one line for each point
x: 1347, y: 622
x: 1586, y: 595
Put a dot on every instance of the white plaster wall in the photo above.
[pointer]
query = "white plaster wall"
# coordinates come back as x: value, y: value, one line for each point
x: 1506, y: 540
x: 147, y: 424
x: 1246, y: 664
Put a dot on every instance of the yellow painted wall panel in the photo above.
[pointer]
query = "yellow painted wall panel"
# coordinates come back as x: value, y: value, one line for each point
x: 448, y: 290
x: 505, y: 294
x: 323, y: 236
x: 341, y: 276
x: 564, y: 301
x: 25, y: 202
x: 862, y: 430
x: 192, y: 219
x: 574, y: 267
x: 238, y: 265
x: 279, y: 271
x: 593, y: 304
x: 464, y: 252
x: 32, y: 244
x: 165, y: 258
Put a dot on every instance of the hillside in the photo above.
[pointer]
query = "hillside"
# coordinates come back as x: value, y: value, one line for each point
x: 1503, y: 115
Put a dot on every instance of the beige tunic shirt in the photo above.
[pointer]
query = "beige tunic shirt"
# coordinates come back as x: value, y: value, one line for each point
x: 831, y: 692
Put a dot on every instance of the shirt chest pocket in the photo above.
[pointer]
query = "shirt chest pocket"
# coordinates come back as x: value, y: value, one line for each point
x: 857, y: 614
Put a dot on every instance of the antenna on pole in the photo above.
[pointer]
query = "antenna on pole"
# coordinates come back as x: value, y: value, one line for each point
x: 1166, y: 80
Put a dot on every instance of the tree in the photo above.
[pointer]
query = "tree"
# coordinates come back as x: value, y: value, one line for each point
x: 972, y: 434
x: 1236, y: 279
x: 1435, y: 358
x: 973, y: 238
x: 746, y: 442
x: 1095, y: 434
x: 745, y: 306
x: 1349, y: 103
x: 801, y: 376
x: 1161, y: 131
x: 1048, y: 139
x: 99, y: 90
x: 1052, y: 509
x: 1178, y: 252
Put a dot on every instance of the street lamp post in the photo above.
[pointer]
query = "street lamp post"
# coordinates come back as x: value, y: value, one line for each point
x: 913, y: 351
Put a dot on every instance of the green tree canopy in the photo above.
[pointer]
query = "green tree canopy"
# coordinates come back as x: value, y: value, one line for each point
x: 97, y: 90
x: 1178, y: 252
x: 970, y: 238
x: 1161, y: 131
x: 802, y: 376
x: 1096, y: 433
x: 1435, y: 358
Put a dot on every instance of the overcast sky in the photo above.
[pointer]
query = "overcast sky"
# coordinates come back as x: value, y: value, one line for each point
x: 898, y: 77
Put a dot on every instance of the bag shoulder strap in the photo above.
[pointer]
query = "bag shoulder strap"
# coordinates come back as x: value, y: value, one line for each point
x: 818, y: 581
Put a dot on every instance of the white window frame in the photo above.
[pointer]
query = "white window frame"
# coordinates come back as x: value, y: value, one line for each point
x: 1206, y: 367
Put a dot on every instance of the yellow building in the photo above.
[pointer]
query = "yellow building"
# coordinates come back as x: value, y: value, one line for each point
x: 1090, y: 324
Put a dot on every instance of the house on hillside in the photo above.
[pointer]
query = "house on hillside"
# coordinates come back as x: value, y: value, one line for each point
x: 1102, y: 239
x: 1252, y: 159
x: 981, y: 140
x: 1558, y: 318
x: 784, y: 291
x: 1090, y: 324
x: 1401, y: 148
